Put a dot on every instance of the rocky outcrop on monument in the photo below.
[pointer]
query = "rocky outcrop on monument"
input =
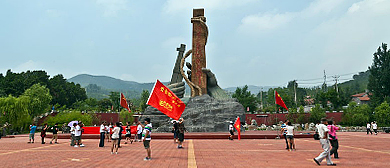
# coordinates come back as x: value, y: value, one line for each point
x: 202, y: 114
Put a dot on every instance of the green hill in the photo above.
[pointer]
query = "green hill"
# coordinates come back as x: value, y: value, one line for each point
x: 99, y: 87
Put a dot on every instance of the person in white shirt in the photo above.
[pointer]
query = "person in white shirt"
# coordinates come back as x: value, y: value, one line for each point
x: 72, y: 131
x: 324, y: 141
x: 146, y: 138
x: 139, y: 131
x: 115, y: 137
x: 290, y: 135
x: 369, y: 128
x: 77, y: 135
x: 107, y: 133
x: 102, y: 133
x: 375, y: 127
x: 231, y: 130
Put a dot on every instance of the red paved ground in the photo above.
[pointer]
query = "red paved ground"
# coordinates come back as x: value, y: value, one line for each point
x: 356, y: 150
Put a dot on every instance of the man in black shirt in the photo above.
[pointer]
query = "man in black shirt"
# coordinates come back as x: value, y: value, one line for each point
x: 55, y: 136
x: 120, y: 134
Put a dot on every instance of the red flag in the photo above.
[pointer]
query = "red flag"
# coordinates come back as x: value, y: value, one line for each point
x: 124, y: 103
x: 279, y: 100
x: 165, y: 101
x: 237, y: 125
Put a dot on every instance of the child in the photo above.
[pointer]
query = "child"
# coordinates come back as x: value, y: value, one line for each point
x: 115, y: 137
x: 139, y: 131
x: 32, y: 133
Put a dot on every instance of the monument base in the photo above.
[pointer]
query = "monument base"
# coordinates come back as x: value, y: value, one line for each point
x: 202, y: 114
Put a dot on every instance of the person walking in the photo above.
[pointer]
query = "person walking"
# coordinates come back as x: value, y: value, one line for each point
x: 231, y: 130
x: 375, y: 127
x: 128, y: 133
x: 290, y: 136
x: 115, y: 137
x: 120, y: 134
x: 43, y: 133
x: 77, y: 135
x: 81, y: 134
x: 107, y: 132
x: 180, y: 135
x: 324, y: 141
x: 369, y: 128
x: 102, y: 133
x: 55, y: 134
x: 283, y: 131
x: 72, y: 132
x: 333, y: 139
x: 175, y: 130
x: 139, y: 131
x: 146, y: 138
x: 33, y: 128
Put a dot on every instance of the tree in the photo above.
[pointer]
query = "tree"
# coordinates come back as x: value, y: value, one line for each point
x: 382, y: 114
x: 126, y: 116
x: 65, y: 93
x: 316, y: 114
x: 379, y: 79
x: 245, y: 97
x: 301, y: 115
x: 144, y: 99
x: 356, y: 115
x: 66, y: 117
x: 292, y: 115
x: 115, y: 98
x: 15, y: 111
x: 39, y: 97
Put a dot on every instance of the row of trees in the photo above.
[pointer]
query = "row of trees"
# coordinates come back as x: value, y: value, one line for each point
x: 376, y: 80
x: 19, y: 111
x: 63, y: 93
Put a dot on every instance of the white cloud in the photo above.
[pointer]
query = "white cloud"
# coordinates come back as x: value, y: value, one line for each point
x: 175, y: 6
x: 261, y: 22
x: 29, y: 65
x: 112, y: 7
x: 272, y: 20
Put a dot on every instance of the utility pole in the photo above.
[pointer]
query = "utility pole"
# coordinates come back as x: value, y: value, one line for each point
x: 324, y: 85
x: 295, y: 92
x: 261, y: 98
x: 336, y: 78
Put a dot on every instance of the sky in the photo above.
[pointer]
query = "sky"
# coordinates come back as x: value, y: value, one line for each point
x: 251, y: 42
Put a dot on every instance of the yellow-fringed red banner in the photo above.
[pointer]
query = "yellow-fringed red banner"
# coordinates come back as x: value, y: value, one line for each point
x: 165, y: 101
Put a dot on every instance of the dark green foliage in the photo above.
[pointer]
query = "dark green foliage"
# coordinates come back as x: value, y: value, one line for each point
x: 379, y: 79
x: 316, y: 114
x: 65, y: 93
x: 382, y: 114
x: 66, y: 117
x: 144, y: 99
x: 246, y: 98
x: 357, y: 115
x: 126, y: 116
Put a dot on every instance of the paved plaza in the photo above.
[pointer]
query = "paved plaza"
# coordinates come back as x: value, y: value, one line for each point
x: 356, y: 150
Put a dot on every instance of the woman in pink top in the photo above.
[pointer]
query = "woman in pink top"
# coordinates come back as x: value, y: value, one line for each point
x: 333, y: 139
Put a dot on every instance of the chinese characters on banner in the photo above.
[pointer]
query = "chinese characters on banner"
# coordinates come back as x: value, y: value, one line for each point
x: 165, y: 101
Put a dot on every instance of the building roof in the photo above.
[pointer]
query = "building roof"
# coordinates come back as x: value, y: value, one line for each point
x: 359, y: 95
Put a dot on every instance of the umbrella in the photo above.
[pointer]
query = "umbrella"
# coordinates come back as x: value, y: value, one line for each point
x: 71, y: 123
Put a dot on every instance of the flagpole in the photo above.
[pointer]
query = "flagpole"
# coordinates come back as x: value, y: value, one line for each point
x: 276, y: 118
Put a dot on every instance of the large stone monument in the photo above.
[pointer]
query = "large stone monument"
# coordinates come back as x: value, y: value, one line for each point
x: 210, y: 108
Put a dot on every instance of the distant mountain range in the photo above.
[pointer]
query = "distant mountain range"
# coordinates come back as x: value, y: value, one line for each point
x: 99, y: 87
x: 252, y: 88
